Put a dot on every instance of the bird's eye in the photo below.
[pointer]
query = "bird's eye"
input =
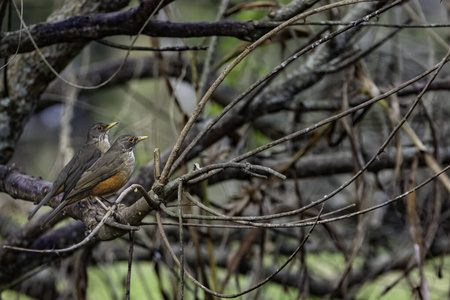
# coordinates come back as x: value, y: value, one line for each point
x: 131, y: 139
x: 100, y: 128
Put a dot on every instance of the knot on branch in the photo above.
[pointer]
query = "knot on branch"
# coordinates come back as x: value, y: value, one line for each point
x: 17, y: 184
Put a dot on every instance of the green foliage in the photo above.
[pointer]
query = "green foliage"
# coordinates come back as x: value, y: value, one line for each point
x: 258, y: 139
x: 108, y: 282
x: 10, y: 295
x: 438, y: 286
x: 213, y: 109
x: 250, y: 15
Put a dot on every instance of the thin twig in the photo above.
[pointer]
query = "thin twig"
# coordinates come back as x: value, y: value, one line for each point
x: 155, y: 49
x: 339, y: 64
x: 151, y: 202
x: 261, y: 283
x: 122, y: 226
x: 210, y: 54
x: 130, y: 263
x: 73, y: 247
x: 180, y: 221
x: 246, y: 167
x: 156, y: 163
x: 269, y: 24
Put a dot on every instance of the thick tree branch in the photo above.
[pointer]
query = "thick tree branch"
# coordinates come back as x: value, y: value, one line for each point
x: 83, y: 29
x: 15, y: 264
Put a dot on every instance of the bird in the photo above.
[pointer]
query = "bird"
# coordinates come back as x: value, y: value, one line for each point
x: 97, y: 144
x: 106, y: 176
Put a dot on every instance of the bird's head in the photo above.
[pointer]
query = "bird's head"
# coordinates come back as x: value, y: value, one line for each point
x: 127, y: 142
x: 99, y: 131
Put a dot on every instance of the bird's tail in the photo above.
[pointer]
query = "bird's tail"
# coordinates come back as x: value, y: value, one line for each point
x: 60, y: 207
x: 43, y: 201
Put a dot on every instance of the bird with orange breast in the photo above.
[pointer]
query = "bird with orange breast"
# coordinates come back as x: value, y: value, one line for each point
x: 106, y: 176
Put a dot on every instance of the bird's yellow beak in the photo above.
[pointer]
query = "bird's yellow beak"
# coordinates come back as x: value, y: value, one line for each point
x: 141, y: 138
x: 111, y: 125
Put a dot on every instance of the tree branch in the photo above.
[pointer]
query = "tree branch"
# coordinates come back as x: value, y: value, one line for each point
x: 86, y: 28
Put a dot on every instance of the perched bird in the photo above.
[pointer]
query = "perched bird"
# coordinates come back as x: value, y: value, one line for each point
x: 96, y: 145
x: 106, y: 176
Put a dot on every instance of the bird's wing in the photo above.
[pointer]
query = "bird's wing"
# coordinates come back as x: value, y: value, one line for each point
x: 98, y: 172
x: 87, y: 156
x: 69, y: 175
